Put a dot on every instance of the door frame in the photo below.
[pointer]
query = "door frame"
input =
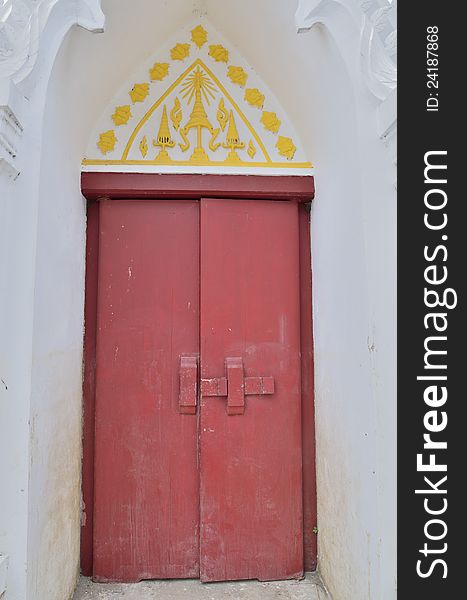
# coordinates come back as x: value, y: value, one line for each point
x: 115, y: 186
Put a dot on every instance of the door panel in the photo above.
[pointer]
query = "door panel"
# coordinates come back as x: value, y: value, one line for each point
x: 146, y: 522
x: 251, y: 503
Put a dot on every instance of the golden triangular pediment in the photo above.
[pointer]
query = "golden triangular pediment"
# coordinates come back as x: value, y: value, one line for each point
x: 197, y: 110
x: 180, y: 101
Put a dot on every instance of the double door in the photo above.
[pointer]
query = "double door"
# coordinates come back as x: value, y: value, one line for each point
x: 198, y: 453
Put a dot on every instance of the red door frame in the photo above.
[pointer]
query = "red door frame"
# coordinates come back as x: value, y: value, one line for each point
x: 163, y: 186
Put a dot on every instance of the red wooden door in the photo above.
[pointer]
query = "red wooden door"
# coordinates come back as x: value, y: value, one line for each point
x: 149, y: 520
x: 146, y: 510
x: 251, y: 502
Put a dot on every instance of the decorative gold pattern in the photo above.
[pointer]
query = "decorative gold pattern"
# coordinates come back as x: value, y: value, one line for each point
x: 192, y: 93
x: 251, y: 149
x: 180, y: 51
x: 176, y: 114
x: 198, y: 85
x: 164, y: 139
x: 237, y: 75
x: 139, y: 92
x: 199, y: 36
x: 232, y: 140
x: 286, y: 147
x: 121, y: 114
x: 143, y: 147
x: 270, y: 121
x: 222, y: 114
x: 219, y: 53
x: 159, y: 71
x: 254, y: 97
x: 107, y: 141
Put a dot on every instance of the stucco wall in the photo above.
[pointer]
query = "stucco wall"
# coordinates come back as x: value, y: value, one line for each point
x: 353, y: 243
x: 54, y: 509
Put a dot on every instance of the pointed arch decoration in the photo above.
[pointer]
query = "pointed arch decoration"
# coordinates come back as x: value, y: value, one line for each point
x: 197, y: 108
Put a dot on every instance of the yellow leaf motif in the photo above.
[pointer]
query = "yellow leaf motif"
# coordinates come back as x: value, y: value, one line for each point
x: 199, y: 35
x: 139, y: 92
x: 237, y: 75
x: 121, y: 114
x: 143, y: 147
x: 159, y: 71
x: 251, y: 149
x: 107, y: 141
x: 219, y: 53
x: 286, y: 147
x: 254, y: 97
x: 180, y: 51
x: 270, y: 121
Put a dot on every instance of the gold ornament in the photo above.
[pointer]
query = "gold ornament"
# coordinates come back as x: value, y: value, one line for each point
x: 199, y: 36
x: 237, y: 75
x: 198, y: 86
x: 219, y: 53
x: 180, y: 51
x: 232, y: 140
x: 164, y: 139
x: 254, y: 97
x: 286, y: 147
x: 143, y: 147
x: 139, y: 92
x: 222, y: 114
x: 251, y: 149
x: 159, y: 71
x: 107, y: 141
x: 176, y: 114
x: 121, y: 115
x: 270, y: 121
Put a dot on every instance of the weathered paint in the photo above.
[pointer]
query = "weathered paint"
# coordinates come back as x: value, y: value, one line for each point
x: 156, y: 185
x: 250, y: 446
x: 146, y: 511
x: 89, y: 387
x: 310, y: 547
x: 130, y: 231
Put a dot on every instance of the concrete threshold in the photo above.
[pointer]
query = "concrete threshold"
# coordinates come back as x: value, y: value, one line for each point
x: 309, y: 588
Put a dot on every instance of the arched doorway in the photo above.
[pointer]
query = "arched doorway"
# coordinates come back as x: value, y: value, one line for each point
x: 207, y: 258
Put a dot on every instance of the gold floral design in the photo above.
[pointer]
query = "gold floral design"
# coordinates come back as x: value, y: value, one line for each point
x: 199, y: 36
x: 218, y: 53
x: 139, y: 92
x: 159, y: 71
x: 107, y: 141
x: 237, y: 75
x: 180, y: 51
x: 270, y: 121
x: 286, y: 147
x: 254, y: 97
x: 121, y: 114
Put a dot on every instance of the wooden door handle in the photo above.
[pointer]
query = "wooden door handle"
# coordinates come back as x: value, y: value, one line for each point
x: 188, y: 385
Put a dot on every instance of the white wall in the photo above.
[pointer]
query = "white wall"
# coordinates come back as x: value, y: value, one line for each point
x: 353, y: 240
x: 54, y: 509
x: 41, y: 268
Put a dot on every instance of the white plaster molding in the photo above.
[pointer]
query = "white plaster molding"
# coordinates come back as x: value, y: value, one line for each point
x: 22, y: 23
x: 372, y: 24
x: 11, y: 129
x: 374, y: 21
x: 31, y: 33
x: 3, y: 573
